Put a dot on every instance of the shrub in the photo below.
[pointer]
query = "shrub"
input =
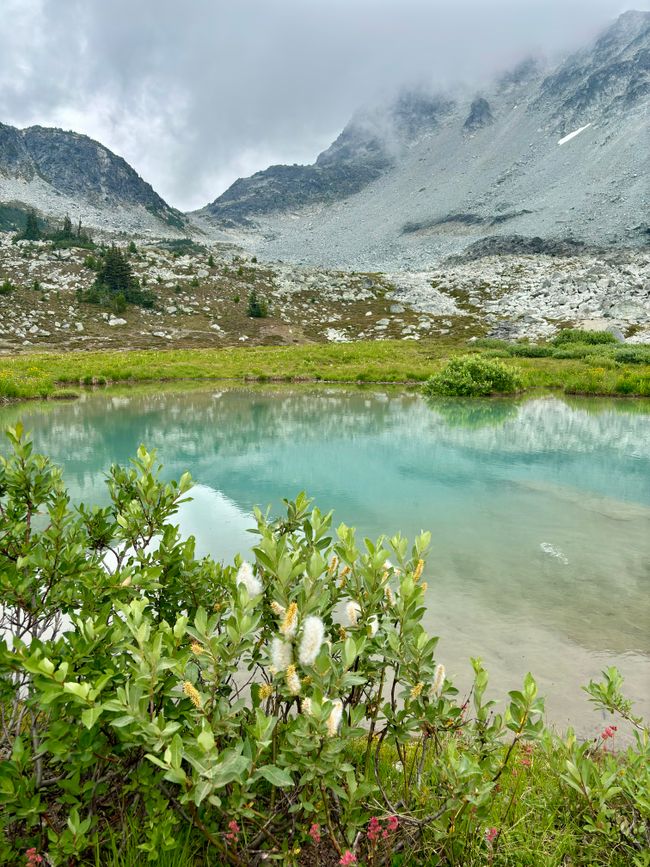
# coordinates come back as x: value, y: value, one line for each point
x: 579, y: 350
x: 576, y: 335
x: 257, y: 307
x: 6, y: 287
x: 491, y: 343
x: 633, y: 354
x: 118, y: 303
x: 140, y: 708
x: 258, y: 708
x: 531, y: 350
x: 474, y: 376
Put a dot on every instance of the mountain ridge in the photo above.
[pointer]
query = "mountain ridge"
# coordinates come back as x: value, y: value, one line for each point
x: 551, y: 153
x: 62, y: 172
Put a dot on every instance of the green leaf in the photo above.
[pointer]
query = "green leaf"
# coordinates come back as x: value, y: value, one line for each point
x: 276, y: 776
x: 230, y: 767
x: 206, y: 740
x: 90, y: 716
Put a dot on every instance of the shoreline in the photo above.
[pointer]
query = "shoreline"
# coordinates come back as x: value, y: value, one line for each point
x: 57, y: 376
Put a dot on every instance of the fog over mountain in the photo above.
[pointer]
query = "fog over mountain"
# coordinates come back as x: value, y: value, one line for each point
x: 195, y: 97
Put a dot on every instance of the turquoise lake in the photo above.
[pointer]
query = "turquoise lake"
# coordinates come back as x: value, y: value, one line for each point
x: 539, y: 510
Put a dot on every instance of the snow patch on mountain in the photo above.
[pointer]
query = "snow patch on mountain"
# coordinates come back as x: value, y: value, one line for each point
x: 573, y: 134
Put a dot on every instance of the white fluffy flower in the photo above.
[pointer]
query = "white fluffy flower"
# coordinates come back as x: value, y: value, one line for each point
x: 281, y: 654
x: 373, y: 625
x: 313, y: 633
x: 251, y: 583
x: 334, y: 719
x: 353, y: 609
x: 293, y: 681
x: 306, y: 707
x: 438, y: 679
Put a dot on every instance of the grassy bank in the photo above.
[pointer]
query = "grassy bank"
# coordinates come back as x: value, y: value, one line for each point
x: 48, y: 375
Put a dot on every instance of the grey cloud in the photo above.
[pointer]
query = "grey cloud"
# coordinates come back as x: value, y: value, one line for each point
x: 194, y: 95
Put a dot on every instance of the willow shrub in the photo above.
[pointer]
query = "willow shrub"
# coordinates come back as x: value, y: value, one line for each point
x: 474, y: 376
x: 255, y: 708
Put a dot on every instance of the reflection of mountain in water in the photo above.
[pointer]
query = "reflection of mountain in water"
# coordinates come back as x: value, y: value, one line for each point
x: 491, y: 480
x: 549, y: 424
x: 216, y: 434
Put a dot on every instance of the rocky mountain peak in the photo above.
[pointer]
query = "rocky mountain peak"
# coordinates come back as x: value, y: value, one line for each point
x: 57, y: 171
x: 480, y: 115
x: 408, y: 183
x: 611, y: 77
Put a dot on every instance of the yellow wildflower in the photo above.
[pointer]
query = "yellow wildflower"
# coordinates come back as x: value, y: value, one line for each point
x: 266, y: 691
x: 197, y: 649
x: 417, y: 689
x: 290, y: 622
x: 418, y: 570
x: 192, y: 693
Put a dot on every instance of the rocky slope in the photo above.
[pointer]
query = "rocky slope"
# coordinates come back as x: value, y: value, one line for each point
x: 60, y: 173
x: 562, y: 154
x: 203, y: 302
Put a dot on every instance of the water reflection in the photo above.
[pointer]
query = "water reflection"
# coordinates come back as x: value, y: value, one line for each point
x: 539, y: 509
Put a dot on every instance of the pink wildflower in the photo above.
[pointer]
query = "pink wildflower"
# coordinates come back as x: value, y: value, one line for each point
x: 490, y: 835
x: 314, y: 833
x: 33, y: 858
x: 609, y: 732
x: 374, y: 829
x: 347, y: 859
x: 393, y: 823
x: 233, y: 833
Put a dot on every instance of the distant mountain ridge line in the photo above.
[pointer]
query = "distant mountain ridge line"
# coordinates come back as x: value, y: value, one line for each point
x: 428, y: 167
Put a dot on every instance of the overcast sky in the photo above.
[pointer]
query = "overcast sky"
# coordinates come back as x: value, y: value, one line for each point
x: 195, y: 93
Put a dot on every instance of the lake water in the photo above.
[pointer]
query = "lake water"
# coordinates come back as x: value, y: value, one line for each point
x: 539, y: 510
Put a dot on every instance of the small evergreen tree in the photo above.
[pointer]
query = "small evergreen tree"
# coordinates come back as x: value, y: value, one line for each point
x: 32, y: 232
x: 257, y: 308
x: 66, y: 231
x: 114, y: 274
x: 115, y: 284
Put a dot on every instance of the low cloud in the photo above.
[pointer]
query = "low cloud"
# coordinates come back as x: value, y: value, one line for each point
x: 196, y: 96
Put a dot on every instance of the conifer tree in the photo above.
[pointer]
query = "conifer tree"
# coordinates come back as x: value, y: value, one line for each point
x: 32, y: 232
x: 115, y: 273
